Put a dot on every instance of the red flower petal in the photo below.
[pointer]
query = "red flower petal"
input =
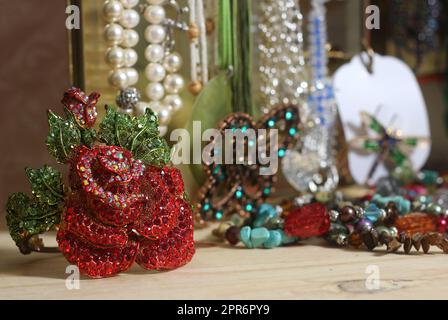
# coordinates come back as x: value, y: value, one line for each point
x: 173, y: 251
x: 78, y: 222
x: 96, y: 262
x: 308, y: 221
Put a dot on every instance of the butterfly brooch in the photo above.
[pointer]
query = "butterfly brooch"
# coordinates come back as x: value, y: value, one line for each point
x: 242, y: 186
x: 390, y: 145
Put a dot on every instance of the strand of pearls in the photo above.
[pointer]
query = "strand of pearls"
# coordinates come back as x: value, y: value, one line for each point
x: 121, y: 37
x: 198, y: 46
x: 163, y: 65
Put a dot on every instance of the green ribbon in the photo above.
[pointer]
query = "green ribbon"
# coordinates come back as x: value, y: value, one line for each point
x: 235, y: 50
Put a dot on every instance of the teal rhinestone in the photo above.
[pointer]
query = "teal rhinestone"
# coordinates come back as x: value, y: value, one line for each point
x: 218, y: 215
x: 274, y: 240
x: 245, y: 237
x: 266, y: 191
x: 430, y: 177
x: 281, y: 153
x: 292, y: 131
x: 239, y: 194
x: 258, y: 236
x: 249, y: 207
x: 206, y: 207
x: 244, y: 129
x: 288, y: 115
x: 271, y: 123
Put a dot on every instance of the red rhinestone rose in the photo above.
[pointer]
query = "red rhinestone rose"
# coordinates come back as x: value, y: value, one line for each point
x: 119, y: 211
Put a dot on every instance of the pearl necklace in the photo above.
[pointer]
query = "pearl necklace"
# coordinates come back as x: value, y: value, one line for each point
x: 163, y: 64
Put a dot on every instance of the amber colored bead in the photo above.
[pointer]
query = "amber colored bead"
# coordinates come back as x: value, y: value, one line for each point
x: 355, y: 240
x: 195, y: 87
x: 193, y: 31
x: 347, y: 214
x: 233, y: 235
x: 416, y: 223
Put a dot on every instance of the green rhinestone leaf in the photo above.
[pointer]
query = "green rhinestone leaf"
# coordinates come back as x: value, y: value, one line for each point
x: 139, y: 135
x: 46, y: 185
x: 88, y: 135
x: 63, y: 137
x: 26, y: 217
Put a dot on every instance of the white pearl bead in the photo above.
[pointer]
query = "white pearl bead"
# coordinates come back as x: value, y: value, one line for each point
x: 155, y: 91
x: 163, y: 130
x: 129, y: 3
x: 132, y: 75
x: 125, y: 111
x: 155, y: 72
x: 173, y: 101
x: 163, y: 112
x: 173, y: 83
x: 130, y: 38
x: 129, y: 18
x: 155, y: 1
x: 154, y: 53
x: 172, y: 62
x: 115, y: 57
x: 113, y: 33
x: 154, y: 14
x: 130, y: 57
x: 118, y: 78
x: 155, y: 34
x: 141, y: 107
x: 112, y: 10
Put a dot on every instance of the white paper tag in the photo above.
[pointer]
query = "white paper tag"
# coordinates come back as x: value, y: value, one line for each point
x: 390, y: 92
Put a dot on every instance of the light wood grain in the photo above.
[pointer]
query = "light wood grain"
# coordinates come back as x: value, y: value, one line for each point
x: 311, y: 271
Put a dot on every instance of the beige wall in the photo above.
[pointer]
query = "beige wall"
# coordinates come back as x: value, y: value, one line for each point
x: 33, y: 74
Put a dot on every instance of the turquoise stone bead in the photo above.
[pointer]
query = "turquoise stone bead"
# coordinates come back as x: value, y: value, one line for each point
x: 287, y: 239
x: 245, y: 233
x: 403, y: 205
x: 258, y: 236
x: 264, y: 213
x: 372, y: 212
x: 275, y: 239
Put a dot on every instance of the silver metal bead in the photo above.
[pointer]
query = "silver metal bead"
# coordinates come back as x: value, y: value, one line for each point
x: 128, y: 98
x: 334, y: 215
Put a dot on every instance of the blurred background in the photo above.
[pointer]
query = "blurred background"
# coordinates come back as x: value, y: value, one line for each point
x: 33, y: 74
x: 35, y: 70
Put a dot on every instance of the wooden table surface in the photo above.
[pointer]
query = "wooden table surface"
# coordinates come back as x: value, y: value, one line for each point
x: 311, y: 271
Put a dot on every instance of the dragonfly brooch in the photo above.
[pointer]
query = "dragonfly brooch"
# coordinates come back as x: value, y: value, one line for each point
x: 390, y: 145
